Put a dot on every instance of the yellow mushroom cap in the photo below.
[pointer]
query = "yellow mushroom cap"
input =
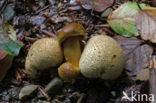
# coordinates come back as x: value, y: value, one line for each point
x: 43, y: 54
x: 102, y: 58
x: 72, y: 30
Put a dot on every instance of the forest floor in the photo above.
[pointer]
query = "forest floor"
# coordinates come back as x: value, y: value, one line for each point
x: 36, y: 19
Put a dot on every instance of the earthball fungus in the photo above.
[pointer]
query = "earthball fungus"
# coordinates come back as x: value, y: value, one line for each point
x: 43, y: 54
x: 102, y: 58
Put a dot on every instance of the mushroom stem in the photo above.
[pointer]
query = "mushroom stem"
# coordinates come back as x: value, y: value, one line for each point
x: 72, y: 51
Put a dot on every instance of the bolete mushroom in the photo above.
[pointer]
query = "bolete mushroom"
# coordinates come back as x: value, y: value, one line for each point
x: 43, y: 54
x: 102, y: 58
x: 69, y: 38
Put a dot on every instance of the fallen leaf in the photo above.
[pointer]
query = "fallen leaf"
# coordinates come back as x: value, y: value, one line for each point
x: 5, y: 63
x: 146, y: 24
x: 143, y: 75
x: 97, y: 5
x: 128, y: 44
x: 8, y: 47
x: 12, y: 48
x: 137, y: 56
x: 8, y: 40
x: 139, y: 59
x: 152, y: 80
x: 122, y: 20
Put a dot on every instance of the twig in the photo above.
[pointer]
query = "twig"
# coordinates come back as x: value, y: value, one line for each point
x: 53, y: 28
x: 38, y: 11
x: 48, y: 18
x: 63, y: 11
x: 30, y: 39
x: 49, y: 33
x: 139, y: 6
x: 103, y: 26
x: 108, y: 31
x: 39, y: 36
x: 44, y: 93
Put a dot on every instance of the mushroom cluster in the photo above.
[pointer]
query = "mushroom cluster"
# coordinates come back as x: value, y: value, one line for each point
x: 48, y: 52
x: 102, y: 56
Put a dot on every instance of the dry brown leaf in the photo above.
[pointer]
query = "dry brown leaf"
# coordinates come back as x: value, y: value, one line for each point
x: 152, y: 80
x: 143, y: 75
x: 5, y: 63
x: 97, y: 5
x: 137, y: 56
x: 128, y: 44
x: 146, y: 24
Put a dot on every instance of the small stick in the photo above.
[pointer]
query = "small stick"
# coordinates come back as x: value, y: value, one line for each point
x: 38, y: 11
x: 139, y: 6
x: 108, y: 31
x: 103, y: 26
x: 30, y: 39
x: 44, y: 93
x: 63, y: 11
x: 48, y: 18
x: 53, y: 28
x: 49, y: 33
x: 39, y: 36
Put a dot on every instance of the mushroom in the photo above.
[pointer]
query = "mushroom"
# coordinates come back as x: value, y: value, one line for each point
x: 102, y: 58
x: 69, y: 38
x: 43, y: 54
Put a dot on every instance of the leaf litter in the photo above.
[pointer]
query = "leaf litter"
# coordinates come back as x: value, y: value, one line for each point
x: 137, y: 54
